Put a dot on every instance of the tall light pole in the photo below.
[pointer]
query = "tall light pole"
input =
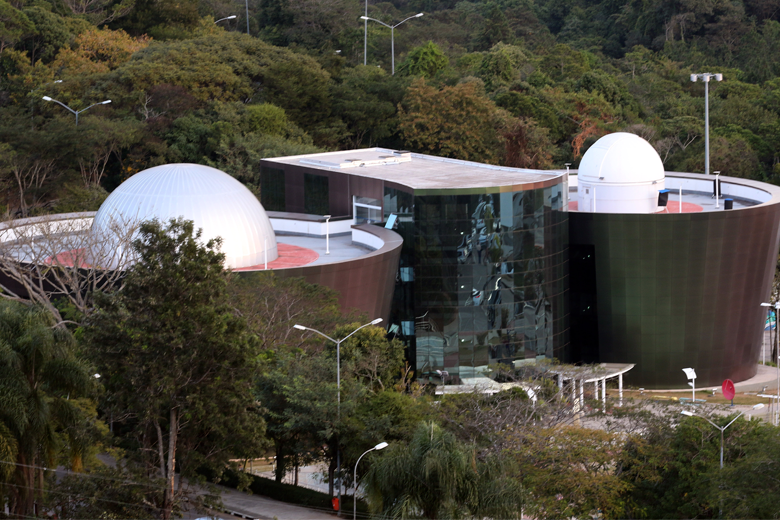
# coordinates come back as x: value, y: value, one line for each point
x: 338, y: 384
x: 722, y: 428
x: 246, y: 4
x: 705, y: 77
x: 226, y: 18
x: 327, y: 234
x: 392, y: 33
x: 76, y: 112
x: 380, y: 446
x: 365, y: 36
x: 777, y: 322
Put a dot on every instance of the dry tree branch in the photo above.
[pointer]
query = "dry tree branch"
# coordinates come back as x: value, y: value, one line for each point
x: 55, y: 258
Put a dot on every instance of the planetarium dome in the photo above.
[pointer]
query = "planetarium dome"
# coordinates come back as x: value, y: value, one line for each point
x: 216, y: 202
x: 620, y: 173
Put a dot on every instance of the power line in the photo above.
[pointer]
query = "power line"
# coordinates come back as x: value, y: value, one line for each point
x: 82, y: 475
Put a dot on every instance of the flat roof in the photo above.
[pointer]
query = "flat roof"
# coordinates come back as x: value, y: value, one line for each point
x: 420, y: 171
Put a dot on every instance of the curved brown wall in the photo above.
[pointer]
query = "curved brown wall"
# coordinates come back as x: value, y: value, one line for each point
x: 365, y: 283
x: 682, y: 290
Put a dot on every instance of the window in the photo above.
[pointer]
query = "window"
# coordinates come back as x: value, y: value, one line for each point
x: 272, y: 195
x: 316, y: 194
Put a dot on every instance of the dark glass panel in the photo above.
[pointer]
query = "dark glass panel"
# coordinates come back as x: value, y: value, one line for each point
x: 316, y: 194
x: 272, y: 194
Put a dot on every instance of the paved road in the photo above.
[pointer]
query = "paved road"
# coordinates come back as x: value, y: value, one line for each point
x: 246, y: 505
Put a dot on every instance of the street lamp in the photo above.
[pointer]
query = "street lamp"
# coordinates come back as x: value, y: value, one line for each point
x: 365, y: 36
x: 691, y: 375
x: 327, y: 234
x: 777, y: 316
x: 392, y: 33
x: 338, y: 384
x: 76, y: 112
x: 722, y: 428
x: 380, y: 446
x: 705, y: 77
x: 226, y: 18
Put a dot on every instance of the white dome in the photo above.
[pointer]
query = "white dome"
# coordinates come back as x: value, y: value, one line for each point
x: 620, y: 173
x: 621, y: 158
x: 216, y: 202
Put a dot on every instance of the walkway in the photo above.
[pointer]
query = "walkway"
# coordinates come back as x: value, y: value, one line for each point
x: 238, y: 504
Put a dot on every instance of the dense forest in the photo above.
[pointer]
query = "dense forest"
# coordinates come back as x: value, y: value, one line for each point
x: 515, y: 82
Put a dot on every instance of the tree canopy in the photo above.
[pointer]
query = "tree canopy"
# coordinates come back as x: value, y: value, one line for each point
x: 174, y: 358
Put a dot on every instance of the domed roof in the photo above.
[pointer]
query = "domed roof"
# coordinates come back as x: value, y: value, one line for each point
x: 216, y: 202
x: 621, y: 158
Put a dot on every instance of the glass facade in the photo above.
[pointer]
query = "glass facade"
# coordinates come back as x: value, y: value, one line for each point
x: 483, y: 278
x: 316, y: 194
x: 272, y: 189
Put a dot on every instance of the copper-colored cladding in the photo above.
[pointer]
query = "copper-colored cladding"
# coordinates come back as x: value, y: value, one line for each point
x: 679, y: 290
x: 365, y: 283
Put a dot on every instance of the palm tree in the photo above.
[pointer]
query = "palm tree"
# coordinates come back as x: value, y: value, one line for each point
x: 39, y: 373
x: 435, y: 476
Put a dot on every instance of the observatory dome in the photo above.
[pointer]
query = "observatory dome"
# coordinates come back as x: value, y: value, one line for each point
x: 620, y: 173
x: 216, y: 202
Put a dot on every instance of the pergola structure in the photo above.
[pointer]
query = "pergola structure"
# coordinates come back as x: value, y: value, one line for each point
x: 597, y: 374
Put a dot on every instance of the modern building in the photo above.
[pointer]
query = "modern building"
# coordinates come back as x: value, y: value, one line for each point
x: 623, y: 263
x: 479, y: 267
x: 483, y: 278
x: 677, y: 287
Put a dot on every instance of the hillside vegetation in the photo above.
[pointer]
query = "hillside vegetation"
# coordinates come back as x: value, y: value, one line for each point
x: 521, y: 83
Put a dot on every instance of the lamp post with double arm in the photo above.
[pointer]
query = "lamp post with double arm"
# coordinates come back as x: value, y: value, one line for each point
x: 338, y: 343
x: 76, y: 112
x: 392, y: 34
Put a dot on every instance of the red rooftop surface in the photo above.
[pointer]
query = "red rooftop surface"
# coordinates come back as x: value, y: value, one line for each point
x: 671, y: 207
x: 289, y: 256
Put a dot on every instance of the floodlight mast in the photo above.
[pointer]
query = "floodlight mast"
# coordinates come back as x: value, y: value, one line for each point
x: 705, y: 77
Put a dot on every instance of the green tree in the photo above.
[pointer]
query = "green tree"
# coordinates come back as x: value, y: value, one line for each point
x: 436, y: 476
x: 425, y: 61
x: 40, y: 381
x: 457, y: 122
x: 13, y: 25
x: 366, y: 99
x: 748, y: 486
x: 175, y: 360
x: 570, y: 472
